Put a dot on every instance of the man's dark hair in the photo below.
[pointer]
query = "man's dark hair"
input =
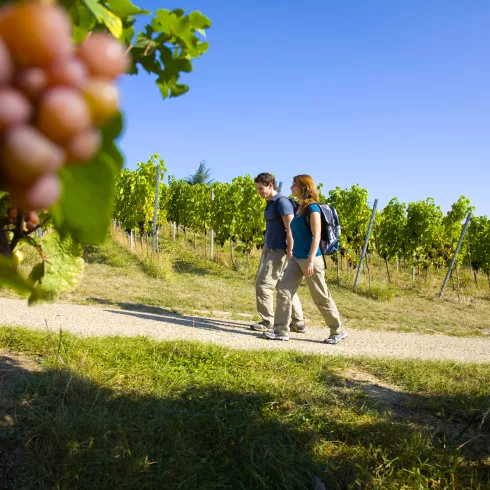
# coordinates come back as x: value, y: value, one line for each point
x: 266, y: 179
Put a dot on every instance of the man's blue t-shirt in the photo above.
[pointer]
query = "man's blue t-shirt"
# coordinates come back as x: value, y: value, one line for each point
x: 275, y: 232
x: 302, y: 235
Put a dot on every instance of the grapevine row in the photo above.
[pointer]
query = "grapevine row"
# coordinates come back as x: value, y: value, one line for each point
x: 418, y: 232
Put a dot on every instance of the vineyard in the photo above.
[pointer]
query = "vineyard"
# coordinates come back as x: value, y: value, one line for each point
x: 146, y: 373
x: 416, y: 237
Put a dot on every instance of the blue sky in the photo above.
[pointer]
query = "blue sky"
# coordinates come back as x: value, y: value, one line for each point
x: 393, y: 95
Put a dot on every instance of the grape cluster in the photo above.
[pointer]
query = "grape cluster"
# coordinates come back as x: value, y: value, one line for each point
x: 31, y: 219
x: 53, y: 96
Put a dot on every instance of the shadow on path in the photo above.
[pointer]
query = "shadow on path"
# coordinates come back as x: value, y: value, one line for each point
x: 72, y: 432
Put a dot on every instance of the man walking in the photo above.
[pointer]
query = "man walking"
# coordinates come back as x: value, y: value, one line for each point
x: 278, y: 249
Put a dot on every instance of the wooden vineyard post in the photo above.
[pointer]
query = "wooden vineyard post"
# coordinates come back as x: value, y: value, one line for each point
x: 388, y: 269
x: 368, y: 270
x: 211, y: 232
x: 469, y: 254
x: 338, y: 266
x: 366, y: 242
x: 455, y: 256
x: 155, y: 213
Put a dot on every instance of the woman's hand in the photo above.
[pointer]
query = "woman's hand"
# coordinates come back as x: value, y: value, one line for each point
x: 309, y: 268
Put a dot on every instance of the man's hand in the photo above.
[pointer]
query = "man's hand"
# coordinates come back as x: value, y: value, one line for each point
x: 289, y: 254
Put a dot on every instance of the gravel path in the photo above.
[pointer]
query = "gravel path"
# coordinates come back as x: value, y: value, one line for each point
x: 160, y: 324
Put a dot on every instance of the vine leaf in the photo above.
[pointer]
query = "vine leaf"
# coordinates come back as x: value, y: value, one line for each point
x: 85, y: 208
x: 124, y: 8
x: 11, y: 278
x: 105, y: 16
x: 61, y: 270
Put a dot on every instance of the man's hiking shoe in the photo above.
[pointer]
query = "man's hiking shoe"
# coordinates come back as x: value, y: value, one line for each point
x: 275, y: 335
x: 335, y: 339
x: 260, y: 327
x: 297, y: 328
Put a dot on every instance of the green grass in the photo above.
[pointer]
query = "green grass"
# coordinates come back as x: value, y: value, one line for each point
x: 194, y: 283
x: 136, y: 413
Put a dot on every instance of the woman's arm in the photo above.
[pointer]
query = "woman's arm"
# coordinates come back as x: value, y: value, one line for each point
x: 316, y: 230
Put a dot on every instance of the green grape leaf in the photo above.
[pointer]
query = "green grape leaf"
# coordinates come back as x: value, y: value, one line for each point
x: 83, y: 22
x: 11, y: 278
x: 124, y: 8
x: 128, y: 34
x: 61, y: 270
x: 105, y: 16
x: 182, y: 30
x: 199, y: 21
x: 178, y: 12
x: 164, y: 20
x: 85, y: 208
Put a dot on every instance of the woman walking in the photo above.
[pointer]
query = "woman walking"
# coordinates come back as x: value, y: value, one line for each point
x: 307, y: 261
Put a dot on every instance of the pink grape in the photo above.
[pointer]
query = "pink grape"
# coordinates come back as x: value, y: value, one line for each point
x: 102, y: 98
x: 32, y: 217
x: 83, y: 146
x: 43, y: 193
x: 62, y: 113
x: 36, y: 33
x: 104, y: 56
x: 15, y: 109
x: 12, y: 212
x: 26, y: 154
x: 32, y: 81
x: 71, y: 72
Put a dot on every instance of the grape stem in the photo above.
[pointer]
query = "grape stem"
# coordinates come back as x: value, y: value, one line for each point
x: 19, y: 230
x: 33, y: 243
x: 19, y: 233
x: 148, y: 46
x: 4, y: 244
x: 40, y: 225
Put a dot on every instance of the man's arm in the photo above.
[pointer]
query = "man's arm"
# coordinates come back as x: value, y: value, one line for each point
x: 287, y: 218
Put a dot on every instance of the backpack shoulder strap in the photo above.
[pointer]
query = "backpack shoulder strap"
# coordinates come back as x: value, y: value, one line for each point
x: 276, y: 207
x: 307, y: 213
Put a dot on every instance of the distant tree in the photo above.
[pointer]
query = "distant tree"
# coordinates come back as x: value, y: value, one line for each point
x: 201, y: 176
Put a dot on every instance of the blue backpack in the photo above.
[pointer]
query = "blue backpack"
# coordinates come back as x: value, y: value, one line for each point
x: 329, y: 240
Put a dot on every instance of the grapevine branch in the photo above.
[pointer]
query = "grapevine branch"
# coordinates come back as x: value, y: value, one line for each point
x: 19, y: 230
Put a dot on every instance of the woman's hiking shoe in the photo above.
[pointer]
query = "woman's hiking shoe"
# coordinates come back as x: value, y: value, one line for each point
x: 275, y: 335
x: 260, y: 327
x: 336, y: 338
x: 297, y: 328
